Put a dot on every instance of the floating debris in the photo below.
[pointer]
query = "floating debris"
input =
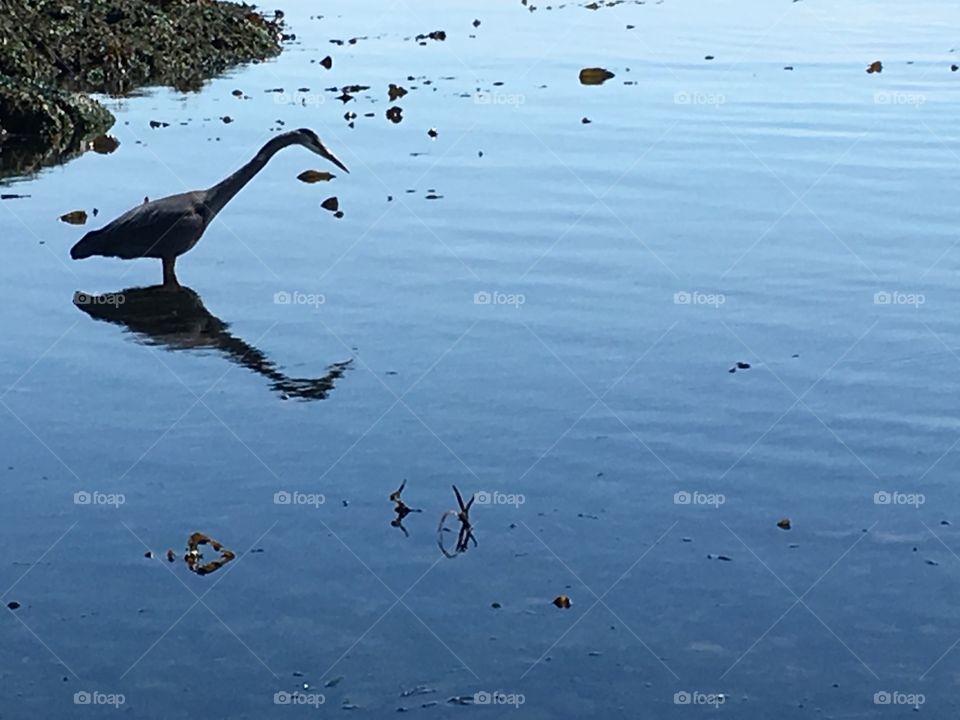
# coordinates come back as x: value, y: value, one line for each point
x: 401, y: 508
x: 395, y: 92
x: 585, y: 120
x: 439, y: 35
x: 158, y: 124
x: 13, y: 605
x: 148, y: 554
x: 432, y: 132
x: 315, y: 176
x: 12, y: 196
x: 496, y: 605
x: 562, y: 601
x: 395, y: 115
x: 466, y: 528
x: 226, y: 119
x: 76, y: 217
x: 194, y: 556
x: 595, y: 76
x: 171, y: 556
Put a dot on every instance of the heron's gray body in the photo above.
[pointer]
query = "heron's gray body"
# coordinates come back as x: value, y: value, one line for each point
x: 162, y: 228
x: 169, y: 227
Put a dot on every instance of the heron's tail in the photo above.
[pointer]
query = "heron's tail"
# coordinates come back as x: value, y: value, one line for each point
x: 89, y: 244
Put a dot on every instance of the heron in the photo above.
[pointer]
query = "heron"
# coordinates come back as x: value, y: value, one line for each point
x: 168, y: 227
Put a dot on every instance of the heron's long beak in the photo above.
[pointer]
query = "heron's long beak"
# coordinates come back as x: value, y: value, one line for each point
x: 333, y: 158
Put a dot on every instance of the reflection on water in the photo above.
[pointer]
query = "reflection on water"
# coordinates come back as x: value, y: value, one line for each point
x: 177, y: 319
x: 25, y: 156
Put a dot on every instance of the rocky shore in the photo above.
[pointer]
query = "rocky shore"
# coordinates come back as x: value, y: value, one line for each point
x: 54, y: 54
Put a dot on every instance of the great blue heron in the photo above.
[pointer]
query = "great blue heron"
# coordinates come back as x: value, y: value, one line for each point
x: 169, y: 227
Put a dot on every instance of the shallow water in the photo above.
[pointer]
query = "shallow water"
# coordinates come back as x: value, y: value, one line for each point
x: 778, y: 203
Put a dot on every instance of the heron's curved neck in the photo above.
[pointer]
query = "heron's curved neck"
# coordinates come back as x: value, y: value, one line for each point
x: 222, y: 193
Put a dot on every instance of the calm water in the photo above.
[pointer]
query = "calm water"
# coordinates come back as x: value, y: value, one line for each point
x: 778, y: 203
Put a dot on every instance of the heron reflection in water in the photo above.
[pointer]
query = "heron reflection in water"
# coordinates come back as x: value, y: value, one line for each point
x: 177, y: 319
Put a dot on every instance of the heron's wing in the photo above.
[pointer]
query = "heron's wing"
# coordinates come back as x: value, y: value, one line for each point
x: 165, y: 227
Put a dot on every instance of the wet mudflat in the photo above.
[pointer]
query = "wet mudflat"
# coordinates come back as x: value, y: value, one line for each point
x: 668, y: 289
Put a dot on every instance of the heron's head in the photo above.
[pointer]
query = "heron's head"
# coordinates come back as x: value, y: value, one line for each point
x: 310, y: 140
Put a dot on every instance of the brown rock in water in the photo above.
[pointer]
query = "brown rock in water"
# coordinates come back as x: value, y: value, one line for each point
x: 315, y: 176
x: 77, y: 217
x: 784, y: 524
x: 562, y: 601
x: 595, y: 76
x: 875, y: 67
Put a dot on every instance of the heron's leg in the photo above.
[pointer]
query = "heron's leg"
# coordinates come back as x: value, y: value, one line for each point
x: 169, y: 275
